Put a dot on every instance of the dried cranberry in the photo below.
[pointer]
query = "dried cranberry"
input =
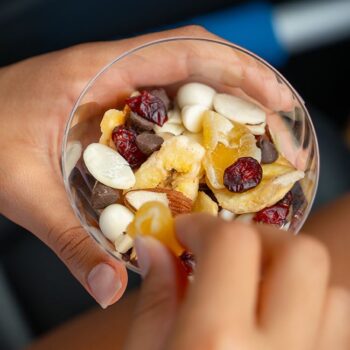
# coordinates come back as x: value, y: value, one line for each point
x: 188, y: 262
x: 276, y: 214
x: 242, y: 175
x: 125, y: 142
x: 149, y: 107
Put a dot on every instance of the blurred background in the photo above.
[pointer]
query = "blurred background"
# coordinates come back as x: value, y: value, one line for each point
x: 308, y: 41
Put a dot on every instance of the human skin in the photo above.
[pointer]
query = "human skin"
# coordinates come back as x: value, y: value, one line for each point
x: 36, y: 97
x: 228, y: 305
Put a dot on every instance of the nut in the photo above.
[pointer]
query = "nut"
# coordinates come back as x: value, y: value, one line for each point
x: 175, y: 200
x: 238, y: 110
x: 108, y: 166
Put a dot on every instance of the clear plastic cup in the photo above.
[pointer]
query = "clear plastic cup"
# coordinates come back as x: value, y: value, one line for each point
x: 169, y: 63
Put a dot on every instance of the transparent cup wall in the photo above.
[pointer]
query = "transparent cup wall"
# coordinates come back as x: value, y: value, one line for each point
x: 169, y: 64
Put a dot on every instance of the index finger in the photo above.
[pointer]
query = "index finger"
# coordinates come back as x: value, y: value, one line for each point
x: 211, y: 61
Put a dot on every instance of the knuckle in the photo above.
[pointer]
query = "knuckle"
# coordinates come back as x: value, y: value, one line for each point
x: 68, y: 243
x: 311, y: 251
x: 243, y: 234
x: 238, y: 235
x: 194, y: 29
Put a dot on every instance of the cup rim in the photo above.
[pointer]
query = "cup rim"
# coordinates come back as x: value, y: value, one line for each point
x: 163, y: 41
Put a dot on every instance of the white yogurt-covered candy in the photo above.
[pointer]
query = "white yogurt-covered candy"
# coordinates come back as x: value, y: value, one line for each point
x: 114, y: 220
x: 246, y: 218
x: 195, y: 94
x: 226, y: 215
x: 238, y: 110
x: 123, y: 243
x: 192, y: 117
x: 108, y: 167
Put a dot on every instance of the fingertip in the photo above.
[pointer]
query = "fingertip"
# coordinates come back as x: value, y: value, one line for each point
x: 189, y: 225
x: 105, y: 283
x: 152, y: 256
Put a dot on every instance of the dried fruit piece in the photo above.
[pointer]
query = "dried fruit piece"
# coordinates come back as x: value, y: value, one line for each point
x: 177, y: 165
x: 111, y: 119
x: 174, y: 116
x: 269, y: 153
x: 169, y: 127
x: 276, y: 214
x: 278, y: 178
x: 108, y: 166
x: 148, y: 143
x: 148, y: 106
x: 125, y: 142
x: 215, y: 129
x: 224, y: 146
x: 154, y: 219
x: 103, y: 195
x: 244, y: 174
x: 188, y: 262
x: 204, y: 204
x: 207, y: 190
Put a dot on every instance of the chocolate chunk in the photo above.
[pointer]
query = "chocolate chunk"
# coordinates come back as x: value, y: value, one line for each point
x: 82, y: 184
x: 148, y: 143
x: 299, y: 200
x: 269, y: 153
x: 102, y: 196
x: 161, y: 93
x: 139, y: 123
x: 82, y: 181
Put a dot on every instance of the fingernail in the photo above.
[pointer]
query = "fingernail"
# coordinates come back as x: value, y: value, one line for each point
x: 143, y: 258
x: 104, y: 283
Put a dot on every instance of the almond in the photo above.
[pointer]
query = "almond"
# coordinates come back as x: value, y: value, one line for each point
x: 175, y: 200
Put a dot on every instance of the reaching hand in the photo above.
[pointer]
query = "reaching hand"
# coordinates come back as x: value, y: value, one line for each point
x: 254, y: 288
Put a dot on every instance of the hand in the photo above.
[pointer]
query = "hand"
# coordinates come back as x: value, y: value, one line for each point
x: 36, y: 97
x: 229, y: 305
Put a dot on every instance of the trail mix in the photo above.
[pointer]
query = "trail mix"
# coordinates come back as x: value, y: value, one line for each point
x: 202, y: 151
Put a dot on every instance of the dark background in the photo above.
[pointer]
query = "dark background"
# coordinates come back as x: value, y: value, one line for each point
x: 36, y: 291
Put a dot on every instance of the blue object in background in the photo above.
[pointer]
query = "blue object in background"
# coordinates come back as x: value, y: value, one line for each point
x: 250, y: 26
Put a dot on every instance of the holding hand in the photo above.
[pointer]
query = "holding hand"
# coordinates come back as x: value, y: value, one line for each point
x: 36, y: 97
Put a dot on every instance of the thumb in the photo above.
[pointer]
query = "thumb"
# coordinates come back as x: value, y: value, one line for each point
x: 42, y: 207
x: 163, y: 283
